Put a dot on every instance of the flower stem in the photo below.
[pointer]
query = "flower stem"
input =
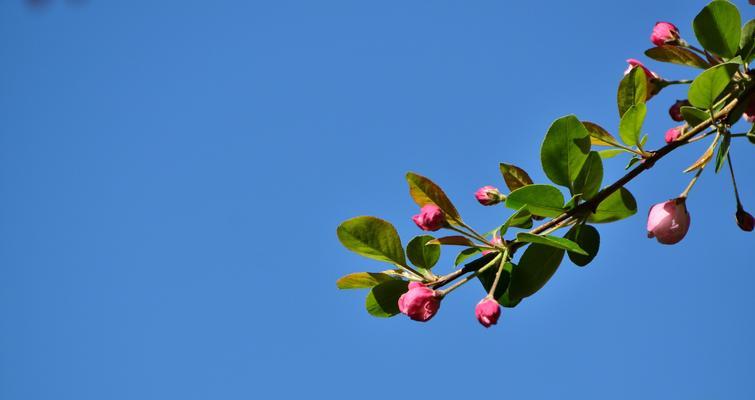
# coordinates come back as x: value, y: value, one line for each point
x: 692, y: 182
x: 469, y: 277
x: 733, y: 180
x: 498, y: 274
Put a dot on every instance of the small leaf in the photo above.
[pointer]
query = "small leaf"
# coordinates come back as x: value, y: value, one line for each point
x: 618, y: 205
x: 424, y: 191
x: 632, y: 90
x: 382, y: 301
x: 705, y: 158
x: 717, y: 28
x: 536, y: 266
x: 598, y: 135
x: 632, y: 161
x: 466, y: 253
x: 372, y: 238
x: 518, y: 218
x: 588, y: 238
x: 590, y: 177
x: 452, y: 241
x: 362, y: 280
x: 631, y: 124
x: 564, y: 150
x: 544, y: 200
x: 747, y: 41
x: 422, y: 254
x: 723, y: 150
x: 553, y: 241
x: 694, y: 116
x: 676, y: 55
x: 573, y: 202
x: 708, y: 86
x: 606, y: 154
x: 514, y: 176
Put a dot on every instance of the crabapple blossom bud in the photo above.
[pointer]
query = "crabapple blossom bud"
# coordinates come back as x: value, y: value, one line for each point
x: 653, y: 79
x: 674, y: 133
x: 496, y: 241
x: 676, y: 110
x: 420, y: 303
x: 430, y: 218
x: 744, y: 220
x: 488, y: 195
x: 663, y: 33
x: 487, y: 312
x: 668, y: 222
x: 749, y: 113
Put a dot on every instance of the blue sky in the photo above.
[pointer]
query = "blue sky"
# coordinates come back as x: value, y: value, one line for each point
x: 172, y: 174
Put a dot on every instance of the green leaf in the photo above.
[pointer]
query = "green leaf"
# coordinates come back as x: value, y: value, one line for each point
x: 362, y: 280
x: 422, y: 254
x: 548, y: 240
x: 544, y: 200
x: 747, y: 41
x: 598, y: 135
x: 632, y: 161
x: 694, y: 116
x: 536, y: 266
x: 424, y: 192
x: 466, y: 253
x: 522, y: 218
x: 606, y: 154
x: 631, y: 124
x: 514, y: 176
x: 618, y: 205
x: 452, y: 241
x: 632, y: 90
x: 723, y: 150
x: 706, y: 88
x: 564, y: 150
x: 588, y: 238
x: 382, y: 301
x: 676, y: 55
x: 488, y: 277
x: 372, y: 238
x: 717, y: 28
x: 590, y: 177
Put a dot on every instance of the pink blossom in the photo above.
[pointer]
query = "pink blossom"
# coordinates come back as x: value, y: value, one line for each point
x: 420, y: 303
x: 652, y: 78
x: 744, y: 220
x: 664, y: 32
x: 669, y: 221
x: 674, y: 133
x: 487, y: 312
x: 496, y: 241
x: 749, y: 113
x: 488, y: 195
x: 430, y: 218
x: 675, y: 111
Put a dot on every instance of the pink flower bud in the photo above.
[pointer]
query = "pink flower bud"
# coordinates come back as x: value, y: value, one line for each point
x: 676, y: 110
x: 749, y: 113
x: 668, y: 222
x: 674, y: 133
x: 430, y: 218
x: 496, y: 241
x: 420, y: 303
x: 488, y: 195
x: 744, y: 220
x: 487, y: 312
x: 652, y: 77
x: 664, y: 32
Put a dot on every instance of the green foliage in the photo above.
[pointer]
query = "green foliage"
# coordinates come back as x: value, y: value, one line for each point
x: 514, y: 176
x: 617, y: 206
x: 676, y: 55
x: 486, y: 279
x: 363, y: 280
x: 708, y: 86
x: 590, y: 177
x: 424, y: 192
x: 544, y: 200
x: 588, y: 238
x: 536, y: 266
x: 717, y: 28
x: 422, y: 254
x: 631, y: 122
x: 548, y: 240
x: 598, y: 135
x: 465, y: 254
x: 564, y: 150
x: 747, y: 41
x: 723, y: 150
x: 694, y: 116
x: 382, y: 301
x: 633, y: 89
x: 372, y: 238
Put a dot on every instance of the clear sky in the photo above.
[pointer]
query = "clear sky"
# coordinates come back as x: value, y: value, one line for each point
x: 172, y: 174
